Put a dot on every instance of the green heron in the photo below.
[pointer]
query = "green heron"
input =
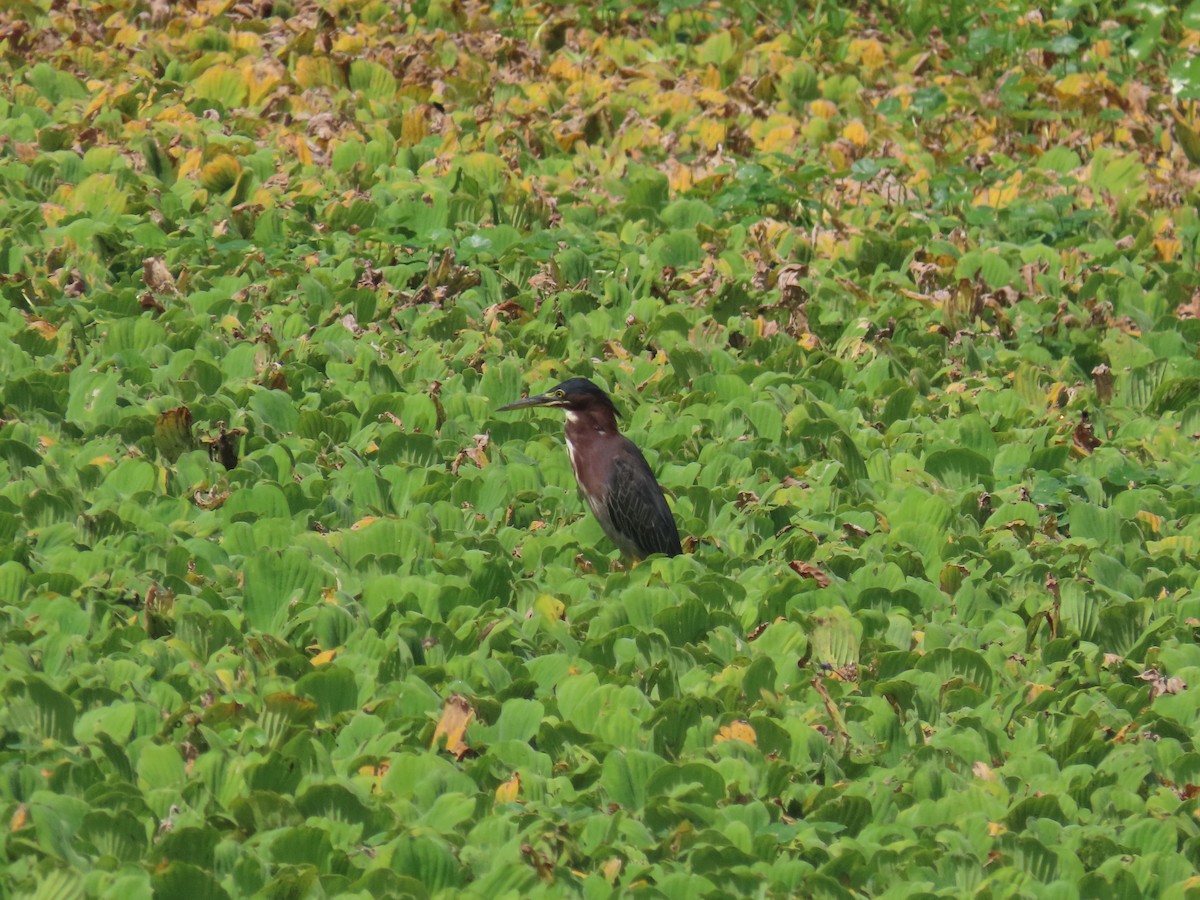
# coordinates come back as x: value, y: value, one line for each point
x: 613, y: 476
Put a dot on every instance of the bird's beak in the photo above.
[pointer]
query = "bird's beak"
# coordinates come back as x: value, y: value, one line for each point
x: 535, y: 400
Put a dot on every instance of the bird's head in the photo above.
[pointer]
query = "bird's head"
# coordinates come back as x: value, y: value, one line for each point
x: 577, y: 395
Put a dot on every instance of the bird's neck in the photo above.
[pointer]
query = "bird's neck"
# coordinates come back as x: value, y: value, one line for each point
x: 584, y: 424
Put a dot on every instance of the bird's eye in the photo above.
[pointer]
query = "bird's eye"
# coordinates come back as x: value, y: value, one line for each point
x: 560, y: 394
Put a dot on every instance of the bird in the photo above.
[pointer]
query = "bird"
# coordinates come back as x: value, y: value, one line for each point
x: 613, y: 476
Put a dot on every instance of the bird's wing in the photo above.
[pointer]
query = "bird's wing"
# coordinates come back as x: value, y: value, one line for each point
x: 637, y: 508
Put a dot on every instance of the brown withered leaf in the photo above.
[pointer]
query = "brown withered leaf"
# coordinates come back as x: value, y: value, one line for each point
x: 1102, y: 378
x: 274, y: 378
x: 224, y: 447
x: 1085, y: 440
x: 157, y: 276
x: 476, y: 453
x: 542, y: 863
x: 746, y: 498
x: 1160, y: 684
x: 1191, y: 309
x: 758, y: 630
x: 213, y: 498
x: 504, y: 311
x: 160, y: 611
x: 808, y: 570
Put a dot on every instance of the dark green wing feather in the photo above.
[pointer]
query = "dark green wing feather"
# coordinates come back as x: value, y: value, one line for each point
x: 637, y: 510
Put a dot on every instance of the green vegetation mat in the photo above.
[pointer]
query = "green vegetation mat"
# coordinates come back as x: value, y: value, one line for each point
x: 900, y: 301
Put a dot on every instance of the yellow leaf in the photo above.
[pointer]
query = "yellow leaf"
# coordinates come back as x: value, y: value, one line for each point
x: 129, y: 36
x: 551, y: 608
x: 1036, y: 690
x: 856, y: 133
x: 101, y: 461
x: 1074, y: 85
x: 363, y: 523
x: 1184, y: 544
x: 838, y: 156
x: 679, y: 177
x: 1168, y: 248
x: 456, y: 716
x: 260, y: 81
x: 44, y: 328
x: 316, y: 71
x: 221, y: 84
x: 190, y: 163
x: 869, y: 52
x: 508, y: 791
x: 1155, y: 522
x: 324, y: 658
x: 302, y: 149
x: 711, y: 78
x: 413, y: 127
x: 823, y: 109
x: 52, y: 214
x: 567, y: 139
x: 995, y: 829
x: 740, y: 730
x: 350, y: 44
x: 1001, y: 195
x: 564, y: 70
x: 778, y: 139
x: 244, y: 40
x: 711, y: 134
x: 221, y: 174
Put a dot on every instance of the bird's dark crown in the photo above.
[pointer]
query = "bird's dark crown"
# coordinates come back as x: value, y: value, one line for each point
x: 574, y: 394
x: 579, y: 393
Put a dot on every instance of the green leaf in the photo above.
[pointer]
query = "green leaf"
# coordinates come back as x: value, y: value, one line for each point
x: 57, y: 821
x: 959, y: 468
x: 275, y: 584
x: 699, y: 781
x: 625, y: 776
x: 1095, y: 523
x: 519, y: 720
x: 332, y: 688
x: 677, y: 249
x: 276, y: 410
x: 39, y: 711
x: 372, y: 80
x: 160, y: 766
x: 179, y: 879
x: 427, y: 861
